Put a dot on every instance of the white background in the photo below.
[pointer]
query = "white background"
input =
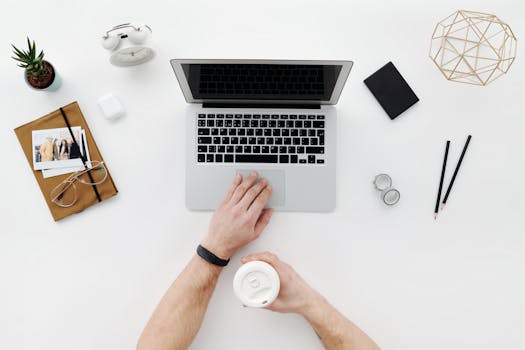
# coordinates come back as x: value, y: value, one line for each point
x: 92, y: 280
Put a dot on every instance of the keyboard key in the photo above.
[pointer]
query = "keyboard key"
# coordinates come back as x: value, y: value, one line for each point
x: 283, y: 158
x: 268, y: 132
x: 249, y: 132
x: 202, y: 116
x: 311, y: 132
x: 274, y: 149
x: 241, y: 132
x: 212, y: 148
x: 228, y: 158
x: 275, y: 116
x: 318, y: 124
x: 204, y: 140
x: 221, y: 149
x: 278, y: 140
x: 230, y: 149
x: 313, y: 141
x: 269, y: 140
x: 210, y: 123
x: 247, y: 149
x: 219, y: 123
x: 215, y: 131
x: 302, y: 116
x: 201, y: 123
x: 285, y: 132
x: 247, y: 116
x: 238, y: 116
x: 265, y: 149
x: 303, y: 132
x: 228, y: 123
x: 311, y: 159
x: 232, y: 132
x: 236, y: 123
x: 302, y: 161
x: 201, y: 157
x: 254, y: 124
x: 281, y: 124
x: 272, y: 123
x: 276, y: 132
x: 284, y: 116
x: 289, y: 123
x: 298, y: 124
x: 315, y: 150
x: 211, y: 116
x: 293, y: 158
x: 223, y: 132
x: 282, y: 149
x: 291, y: 149
x: 218, y: 158
x: 259, y: 132
x: 263, y: 124
x: 256, y: 116
x: 300, y: 149
x: 202, y: 149
x: 209, y: 158
x: 294, y: 132
x: 320, y: 117
x: 203, y: 131
x: 311, y: 117
x: 287, y: 141
x: 297, y: 140
x: 320, y: 161
x: 243, y: 140
x: 307, y: 124
x: 266, y: 116
x: 238, y: 149
x: 256, y: 149
x: 234, y: 140
x: 305, y: 141
x: 225, y: 140
x: 229, y: 116
x: 260, y: 140
x: 245, y: 123
x: 256, y: 158
x: 216, y: 140
x: 293, y: 116
x: 252, y: 140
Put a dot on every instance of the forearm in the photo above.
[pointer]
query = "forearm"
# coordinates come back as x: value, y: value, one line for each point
x: 335, y: 330
x: 179, y: 314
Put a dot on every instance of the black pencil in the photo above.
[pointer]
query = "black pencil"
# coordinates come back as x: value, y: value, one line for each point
x: 456, y: 171
x: 438, y: 199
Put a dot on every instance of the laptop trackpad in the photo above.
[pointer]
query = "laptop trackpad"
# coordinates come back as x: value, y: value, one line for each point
x: 276, y: 179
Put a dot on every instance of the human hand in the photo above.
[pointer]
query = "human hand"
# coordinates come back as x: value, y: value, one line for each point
x: 295, y: 295
x: 240, y: 218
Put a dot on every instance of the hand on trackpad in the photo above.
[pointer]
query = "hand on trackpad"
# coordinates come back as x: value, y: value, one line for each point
x: 275, y: 179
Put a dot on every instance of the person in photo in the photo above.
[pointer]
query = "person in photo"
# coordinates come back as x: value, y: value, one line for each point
x: 74, y: 149
x: 56, y: 149
x: 46, y: 150
x: 64, y: 150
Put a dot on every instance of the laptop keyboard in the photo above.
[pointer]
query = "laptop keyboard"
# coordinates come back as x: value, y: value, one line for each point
x: 261, y: 138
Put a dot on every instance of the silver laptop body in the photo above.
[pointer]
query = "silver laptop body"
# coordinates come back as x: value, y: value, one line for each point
x: 272, y: 116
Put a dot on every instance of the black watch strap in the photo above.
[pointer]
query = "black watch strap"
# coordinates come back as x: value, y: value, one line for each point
x: 210, y: 257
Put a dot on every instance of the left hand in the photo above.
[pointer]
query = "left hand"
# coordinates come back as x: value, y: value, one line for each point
x: 240, y: 218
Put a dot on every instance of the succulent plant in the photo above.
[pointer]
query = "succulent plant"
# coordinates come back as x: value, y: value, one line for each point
x: 28, y: 60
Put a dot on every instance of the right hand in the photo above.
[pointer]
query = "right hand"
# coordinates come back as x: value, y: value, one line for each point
x: 295, y: 295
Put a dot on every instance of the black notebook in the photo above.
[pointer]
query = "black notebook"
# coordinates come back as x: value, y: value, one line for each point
x: 391, y: 90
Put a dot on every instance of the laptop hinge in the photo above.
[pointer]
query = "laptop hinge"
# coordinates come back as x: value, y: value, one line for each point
x: 261, y: 105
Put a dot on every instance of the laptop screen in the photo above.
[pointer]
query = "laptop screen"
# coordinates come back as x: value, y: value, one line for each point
x: 275, y: 82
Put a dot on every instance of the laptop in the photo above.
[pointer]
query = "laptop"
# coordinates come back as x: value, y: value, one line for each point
x: 272, y: 116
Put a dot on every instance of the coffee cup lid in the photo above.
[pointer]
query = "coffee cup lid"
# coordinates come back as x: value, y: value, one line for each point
x: 256, y: 284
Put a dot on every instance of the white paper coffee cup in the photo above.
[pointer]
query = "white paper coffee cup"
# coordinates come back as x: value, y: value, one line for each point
x: 256, y: 284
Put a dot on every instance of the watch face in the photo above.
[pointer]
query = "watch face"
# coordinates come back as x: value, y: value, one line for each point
x: 131, y: 56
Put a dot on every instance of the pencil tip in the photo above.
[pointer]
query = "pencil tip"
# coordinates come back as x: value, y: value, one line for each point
x: 442, y: 206
x: 435, y: 216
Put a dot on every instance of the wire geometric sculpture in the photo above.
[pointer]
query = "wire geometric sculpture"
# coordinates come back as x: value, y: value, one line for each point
x: 473, y: 47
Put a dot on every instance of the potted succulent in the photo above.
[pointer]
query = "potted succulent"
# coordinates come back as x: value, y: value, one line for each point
x: 39, y: 74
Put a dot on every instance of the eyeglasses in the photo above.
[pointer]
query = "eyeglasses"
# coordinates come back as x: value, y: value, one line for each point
x: 66, y: 193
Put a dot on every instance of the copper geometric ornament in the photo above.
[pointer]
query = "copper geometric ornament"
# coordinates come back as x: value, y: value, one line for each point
x: 473, y: 47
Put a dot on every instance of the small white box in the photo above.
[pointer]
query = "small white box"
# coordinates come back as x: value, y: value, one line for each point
x: 111, y: 107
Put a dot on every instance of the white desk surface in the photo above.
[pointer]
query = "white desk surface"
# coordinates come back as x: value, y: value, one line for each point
x: 92, y: 281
